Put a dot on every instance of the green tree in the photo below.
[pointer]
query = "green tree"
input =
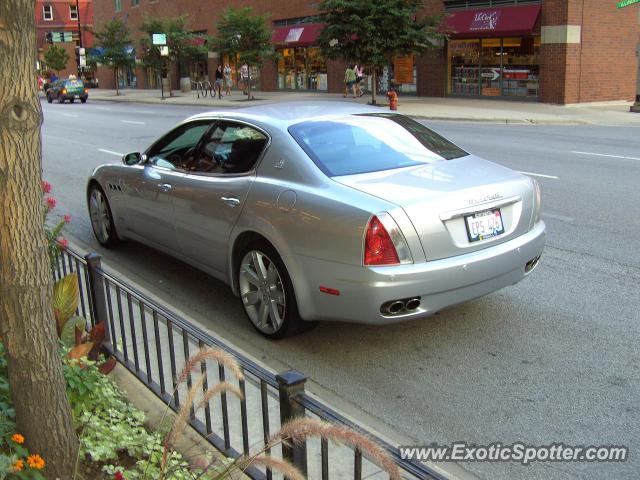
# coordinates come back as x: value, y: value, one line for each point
x: 114, y: 39
x: 27, y: 326
x: 245, y: 35
x: 181, y: 42
x: 56, y: 58
x: 372, y: 33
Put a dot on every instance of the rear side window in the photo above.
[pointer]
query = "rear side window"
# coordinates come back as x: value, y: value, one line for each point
x: 371, y: 143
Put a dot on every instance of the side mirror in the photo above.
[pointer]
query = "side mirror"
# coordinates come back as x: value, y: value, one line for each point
x: 134, y: 158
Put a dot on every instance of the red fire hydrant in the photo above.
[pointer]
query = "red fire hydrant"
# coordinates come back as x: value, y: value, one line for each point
x: 393, y: 100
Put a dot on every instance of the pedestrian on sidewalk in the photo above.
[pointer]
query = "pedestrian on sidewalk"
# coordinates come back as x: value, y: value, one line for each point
x: 228, y: 83
x: 244, y: 76
x: 349, y: 81
x: 219, y: 80
x: 359, y: 69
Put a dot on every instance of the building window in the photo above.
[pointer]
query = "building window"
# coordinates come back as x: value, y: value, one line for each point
x: 47, y: 12
x: 118, y: 5
x: 466, y: 4
x: 135, y: 3
x: 296, y: 21
x: 73, y: 12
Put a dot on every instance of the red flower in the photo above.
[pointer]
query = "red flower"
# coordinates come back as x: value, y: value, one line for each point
x: 118, y: 476
x: 67, y: 218
x: 51, y: 203
x: 46, y: 186
x: 63, y: 242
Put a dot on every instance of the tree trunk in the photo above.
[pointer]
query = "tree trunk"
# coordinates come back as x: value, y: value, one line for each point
x: 374, y: 85
x: 115, y: 75
x: 27, y: 328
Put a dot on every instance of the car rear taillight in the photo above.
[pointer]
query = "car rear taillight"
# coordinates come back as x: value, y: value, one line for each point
x: 64, y: 91
x: 384, y: 243
x: 378, y: 247
x: 86, y: 90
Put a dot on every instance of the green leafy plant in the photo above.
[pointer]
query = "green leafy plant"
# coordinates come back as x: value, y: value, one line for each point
x: 56, y: 58
x: 114, y: 39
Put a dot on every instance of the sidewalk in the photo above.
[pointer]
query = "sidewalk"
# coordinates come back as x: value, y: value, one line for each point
x: 434, y: 108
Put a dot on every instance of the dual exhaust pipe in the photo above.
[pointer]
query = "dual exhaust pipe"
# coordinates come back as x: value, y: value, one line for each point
x: 398, y: 306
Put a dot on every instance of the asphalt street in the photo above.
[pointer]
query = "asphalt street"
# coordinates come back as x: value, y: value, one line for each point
x: 554, y: 359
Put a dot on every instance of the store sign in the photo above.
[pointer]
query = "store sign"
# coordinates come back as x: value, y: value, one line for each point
x: 294, y: 35
x: 626, y: 3
x: 403, y: 69
x: 485, y: 20
x: 159, y: 38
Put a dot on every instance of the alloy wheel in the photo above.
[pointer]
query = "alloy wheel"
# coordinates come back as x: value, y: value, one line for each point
x: 262, y: 292
x: 100, y: 219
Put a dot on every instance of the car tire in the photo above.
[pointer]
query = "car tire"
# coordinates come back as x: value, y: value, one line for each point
x: 101, y: 218
x: 49, y: 99
x: 266, y: 292
x: 83, y: 100
x: 71, y: 100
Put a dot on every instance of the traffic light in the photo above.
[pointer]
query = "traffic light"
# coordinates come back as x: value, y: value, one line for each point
x: 49, y: 37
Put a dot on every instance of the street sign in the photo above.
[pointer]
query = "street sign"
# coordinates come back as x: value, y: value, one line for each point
x: 626, y: 3
x: 159, y: 38
x: 164, y: 51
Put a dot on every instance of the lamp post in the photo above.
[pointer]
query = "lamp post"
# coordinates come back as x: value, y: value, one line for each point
x: 79, y: 37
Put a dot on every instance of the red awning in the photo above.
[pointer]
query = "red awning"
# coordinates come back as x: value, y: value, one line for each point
x: 494, y: 22
x: 197, y: 41
x: 297, y: 35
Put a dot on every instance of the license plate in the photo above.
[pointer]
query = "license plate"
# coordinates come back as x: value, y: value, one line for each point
x: 483, y: 225
x: 76, y: 96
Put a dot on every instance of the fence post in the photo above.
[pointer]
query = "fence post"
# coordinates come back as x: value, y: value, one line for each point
x: 291, y: 384
x: 96, y: 292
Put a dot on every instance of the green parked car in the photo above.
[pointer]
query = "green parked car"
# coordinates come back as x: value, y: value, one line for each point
x: 70, y: 89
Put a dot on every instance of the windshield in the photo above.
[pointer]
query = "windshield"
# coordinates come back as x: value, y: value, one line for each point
x: 73, y: 83
x: 371, y: 143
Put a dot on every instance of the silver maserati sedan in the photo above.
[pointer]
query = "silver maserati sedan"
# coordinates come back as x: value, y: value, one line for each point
x: 324, y: 211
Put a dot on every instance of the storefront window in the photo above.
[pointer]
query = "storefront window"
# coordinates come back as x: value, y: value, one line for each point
x: 521, y: 66
x: 464, y: 65
x: 301, y: 68
x: 494, y: 67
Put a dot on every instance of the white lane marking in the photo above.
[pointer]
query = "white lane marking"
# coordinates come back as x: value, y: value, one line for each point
x: 110, y: 152
x: 540, y: 175
x: 132, y: 122
x: 557, y: 216
x: 605, y: 155
x: 102, y: 108
x: 69, y: 115
x: 146, y: 112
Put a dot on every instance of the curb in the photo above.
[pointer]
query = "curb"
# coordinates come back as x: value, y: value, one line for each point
x: 241, y: 103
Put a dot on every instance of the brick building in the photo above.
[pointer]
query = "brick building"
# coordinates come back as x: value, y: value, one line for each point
x: 554, y: 51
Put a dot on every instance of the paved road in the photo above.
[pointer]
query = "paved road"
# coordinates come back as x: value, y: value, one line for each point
x: 553, y: 359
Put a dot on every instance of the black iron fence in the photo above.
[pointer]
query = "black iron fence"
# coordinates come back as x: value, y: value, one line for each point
x: 154, y: 344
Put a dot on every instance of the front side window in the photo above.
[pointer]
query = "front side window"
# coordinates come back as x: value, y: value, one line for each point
x: 370, y: 143
x: 47, y: 12
x: 229, y: 148
x: 73, y: 12
x: 176, y: 148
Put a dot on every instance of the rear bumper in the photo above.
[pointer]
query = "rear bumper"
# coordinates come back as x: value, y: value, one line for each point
x: 75, y: 96
x: 438, y: 284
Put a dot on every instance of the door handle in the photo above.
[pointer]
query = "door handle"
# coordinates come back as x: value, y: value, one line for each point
x: 165, y: 187
x: 230, y: 201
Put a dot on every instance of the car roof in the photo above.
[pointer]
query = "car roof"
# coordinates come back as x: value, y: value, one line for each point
x: 284, y: 114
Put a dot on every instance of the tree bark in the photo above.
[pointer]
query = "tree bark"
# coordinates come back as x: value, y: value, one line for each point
x: 115, y: 75
x: 26, y: 318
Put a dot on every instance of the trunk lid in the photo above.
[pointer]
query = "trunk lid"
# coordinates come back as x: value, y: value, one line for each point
x: 438, y: 197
